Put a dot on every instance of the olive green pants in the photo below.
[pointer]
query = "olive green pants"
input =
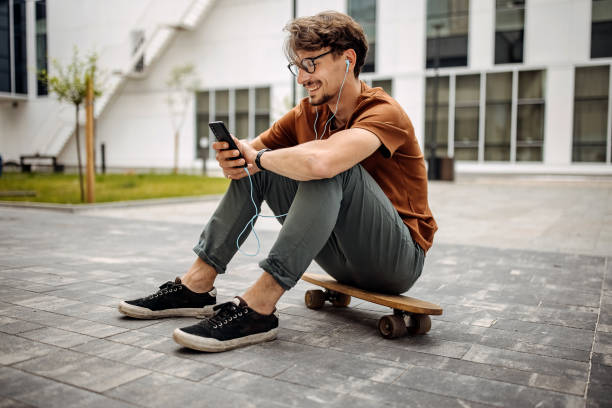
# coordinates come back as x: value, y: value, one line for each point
x: 345, y: 223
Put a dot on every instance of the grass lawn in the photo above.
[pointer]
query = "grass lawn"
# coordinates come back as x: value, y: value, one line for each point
x: 64, y: 188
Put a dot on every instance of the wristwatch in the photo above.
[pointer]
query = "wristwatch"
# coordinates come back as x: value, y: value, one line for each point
x: 258, y: 158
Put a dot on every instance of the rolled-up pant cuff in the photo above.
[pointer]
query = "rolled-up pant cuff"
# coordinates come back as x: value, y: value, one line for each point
x: 209, y: 260
x: 280, y: 274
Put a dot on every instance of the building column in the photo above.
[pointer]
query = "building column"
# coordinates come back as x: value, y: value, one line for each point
x: 559, y: 115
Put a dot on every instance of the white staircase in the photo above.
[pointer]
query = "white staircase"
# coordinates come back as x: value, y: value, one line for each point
x: 150, y: 50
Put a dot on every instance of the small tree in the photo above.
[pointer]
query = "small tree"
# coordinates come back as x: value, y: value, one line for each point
x: 69, y: 84
x: 182, y: 83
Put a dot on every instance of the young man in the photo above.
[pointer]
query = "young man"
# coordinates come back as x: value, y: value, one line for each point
x: 346, y: 167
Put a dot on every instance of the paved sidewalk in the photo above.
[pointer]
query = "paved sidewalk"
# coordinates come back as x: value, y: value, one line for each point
x: 522, y: 268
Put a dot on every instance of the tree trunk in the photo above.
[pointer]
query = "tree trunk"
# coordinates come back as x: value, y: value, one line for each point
x: 78, y: 147
x: 176, y: 151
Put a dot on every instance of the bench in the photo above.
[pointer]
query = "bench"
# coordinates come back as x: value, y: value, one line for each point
x: 25, y: 161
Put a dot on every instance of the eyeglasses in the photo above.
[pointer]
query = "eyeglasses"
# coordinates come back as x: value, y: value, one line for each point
x: 307, y: 64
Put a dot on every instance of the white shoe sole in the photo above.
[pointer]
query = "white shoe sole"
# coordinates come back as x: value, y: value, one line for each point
x: 144, y: 313
x: 213, y: 345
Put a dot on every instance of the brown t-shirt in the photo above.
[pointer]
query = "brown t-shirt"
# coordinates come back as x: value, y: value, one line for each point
x: 397, y: 166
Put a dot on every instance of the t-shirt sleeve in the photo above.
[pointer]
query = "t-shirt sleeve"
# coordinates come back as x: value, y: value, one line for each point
x: 282, y: 133
x: 387, y: 121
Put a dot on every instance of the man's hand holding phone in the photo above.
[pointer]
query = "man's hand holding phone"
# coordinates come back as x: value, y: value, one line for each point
x: 233, y: 155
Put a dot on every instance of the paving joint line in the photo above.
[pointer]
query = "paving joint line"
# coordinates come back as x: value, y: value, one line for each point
x: 601, y: 296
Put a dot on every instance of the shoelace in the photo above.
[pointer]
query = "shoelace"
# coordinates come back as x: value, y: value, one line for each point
x: 228, y: 311
x: 166, y: 288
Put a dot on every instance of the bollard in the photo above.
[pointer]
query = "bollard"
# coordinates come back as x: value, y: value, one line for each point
x: 0, y: 165
x: 103, y: 154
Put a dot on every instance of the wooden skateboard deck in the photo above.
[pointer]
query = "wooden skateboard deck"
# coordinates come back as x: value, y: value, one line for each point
x: 409, y: 314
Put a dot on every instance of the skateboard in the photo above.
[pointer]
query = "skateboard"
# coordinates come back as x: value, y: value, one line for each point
x: 410, y: 315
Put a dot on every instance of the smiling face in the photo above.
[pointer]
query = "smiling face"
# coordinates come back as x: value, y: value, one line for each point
x: 323, y: 84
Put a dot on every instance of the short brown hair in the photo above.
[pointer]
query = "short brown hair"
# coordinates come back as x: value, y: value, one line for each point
x: 326, y: 29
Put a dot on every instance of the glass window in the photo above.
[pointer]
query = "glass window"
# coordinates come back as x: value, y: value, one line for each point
x: 498, y: 116
x: 202, y: 118
x: 242, y: 114
x: 436, y: 116
x: 447, y: 33
x: 41, y: 43
x: 222, y: 106
x: 20, y: 49
x: 601, y: 29
x: 364, y: 12
x: 467, y: 102
x: 591, y: 87
x: 385, y: 84
x: 509, y: 31
x: 262, y: 110
x: 530, y: 116
x: 5, y: 47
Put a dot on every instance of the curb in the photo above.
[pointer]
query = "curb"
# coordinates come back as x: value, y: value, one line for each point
x: 75, y: 208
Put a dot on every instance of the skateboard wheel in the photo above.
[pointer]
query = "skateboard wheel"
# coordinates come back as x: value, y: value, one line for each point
x: 392, y: 326
x: 419, y: 324
x: 340, y: 300
x: 314, y: 299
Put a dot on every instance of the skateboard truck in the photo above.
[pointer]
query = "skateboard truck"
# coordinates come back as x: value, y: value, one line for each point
x: 402, y: 322
x: 315, y: 299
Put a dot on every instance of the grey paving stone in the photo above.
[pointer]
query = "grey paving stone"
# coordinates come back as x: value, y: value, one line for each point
x: 604, y: 359
x: 34, y: 391
x: 271, y: 389
x: 9, y: 280
x: 18, y: 326
x: 11, y: 403
x: 56, y: 337
x: 165, y: 327
x: 47, y: 303
x: 174, y: 392
x: 527, y: 362
x: 600, y: 388
x: 14, y: 349
x: 399, y: 357
x: 84, y: 371
x: 89, y: 328
x: 35, y: 316
x: 516, y: 376
x: 603, y: 343
x: 244, y: 361
x: 84, y: 295
x: 137, y: 338
x: 149, y: 359
x: 580, y: 339
x: 367, y: 392
x: 482, y: 390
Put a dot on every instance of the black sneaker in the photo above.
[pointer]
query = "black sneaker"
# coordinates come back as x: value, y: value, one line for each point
x: 172, y: 299
x: 233, y: 325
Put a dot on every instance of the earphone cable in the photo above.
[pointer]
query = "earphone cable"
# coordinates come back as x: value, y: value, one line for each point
x: 251, y: 222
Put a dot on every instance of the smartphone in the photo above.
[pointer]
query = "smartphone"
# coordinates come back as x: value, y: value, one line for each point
x: 223, y: 135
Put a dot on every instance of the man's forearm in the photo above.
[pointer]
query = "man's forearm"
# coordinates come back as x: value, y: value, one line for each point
x: 301, y: 162
x: 319, y: 159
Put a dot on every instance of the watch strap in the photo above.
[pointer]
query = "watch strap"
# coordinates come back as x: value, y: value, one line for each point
x: 258, y: 158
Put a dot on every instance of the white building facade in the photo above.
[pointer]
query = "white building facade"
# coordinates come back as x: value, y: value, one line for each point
x: 523, y: 86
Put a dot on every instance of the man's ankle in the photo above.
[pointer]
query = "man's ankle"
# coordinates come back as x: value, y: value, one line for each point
x: 200, y: 278
x: 198, y: 290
